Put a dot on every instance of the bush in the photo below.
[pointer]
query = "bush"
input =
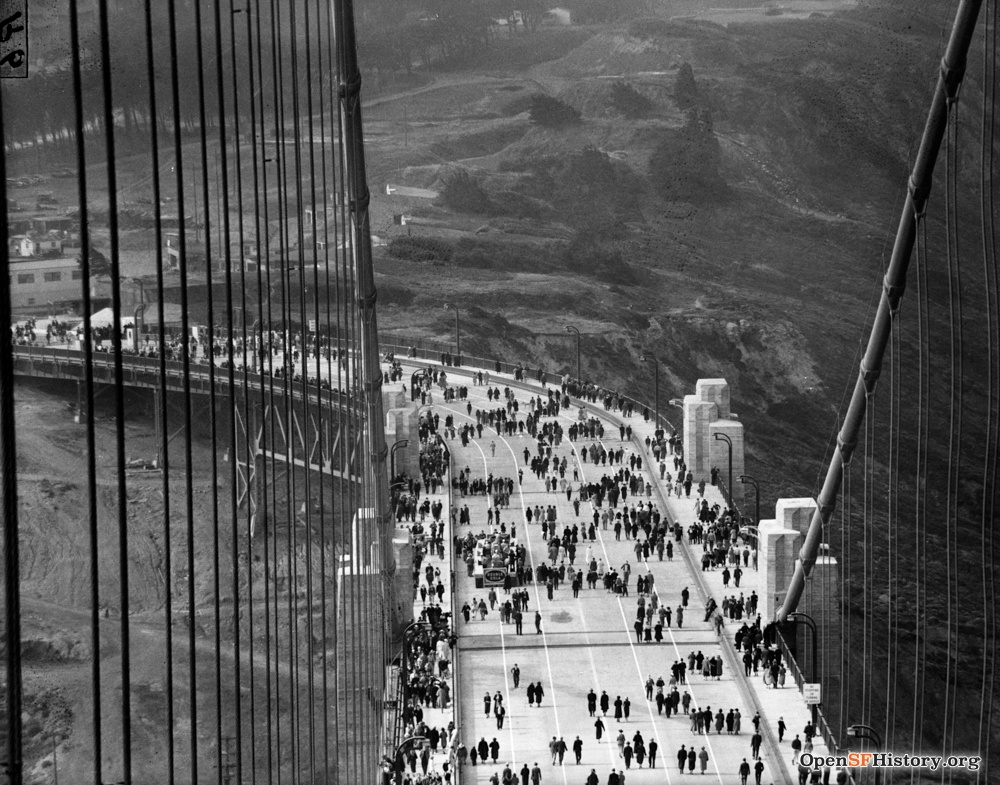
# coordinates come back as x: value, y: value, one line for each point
x: 684, y: 167
x: 629, y: 101
x: 686, y: 90
x: 463, y: 192
x: 420, y: 249
x: 550, y: 112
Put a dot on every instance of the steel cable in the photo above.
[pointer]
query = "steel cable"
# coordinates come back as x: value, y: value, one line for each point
x: 119, y: 387
x: 86, y: 417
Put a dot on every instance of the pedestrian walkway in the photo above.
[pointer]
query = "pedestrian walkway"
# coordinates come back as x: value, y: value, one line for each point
x: 589, y: 642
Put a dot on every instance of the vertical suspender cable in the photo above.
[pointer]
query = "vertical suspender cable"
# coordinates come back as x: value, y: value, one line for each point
x: 952, y: 71
x: 8, y: 465
x: 161, y: 399
x: 254, y: 28
x: 189, y: 440
x: 88, y: 416
x: 993, y: 369
x: 116, y: 345
x: 313, y: 344
x: 954, y: 419
x: 235, y: 400
x: 226, y: 257
x: 302, y: 336
x: 325, y: 414
x: 272, y: 694
x: 286, y: 382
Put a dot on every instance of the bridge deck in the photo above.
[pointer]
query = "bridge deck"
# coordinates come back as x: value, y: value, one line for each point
x: 589, y: 642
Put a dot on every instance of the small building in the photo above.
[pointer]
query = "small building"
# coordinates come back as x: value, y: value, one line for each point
x: 33, y: 244
x: 559, y: 16
x: 194, y: 252
x: 40, y: 281
x: 43, y: 224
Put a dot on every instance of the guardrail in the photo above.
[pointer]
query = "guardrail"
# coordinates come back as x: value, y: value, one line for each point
x: 455, y: 667
x: 197, y: 379
x: 822, y: 726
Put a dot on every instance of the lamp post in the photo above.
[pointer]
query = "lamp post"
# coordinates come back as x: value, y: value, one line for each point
x: 646, y: 358
x: 392, y: 455
x: 571, y: 329
x: 869, y: 733
x: 458, y: 334
x: 729, y: 486
x: 811, y: 624
x: 746, y: 478
x: 137, y: 325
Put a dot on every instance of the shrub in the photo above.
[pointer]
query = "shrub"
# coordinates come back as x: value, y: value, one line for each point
x: 550, y: 112
x: 463, y: 192
x: 420, y: 249
x: 629, y: 101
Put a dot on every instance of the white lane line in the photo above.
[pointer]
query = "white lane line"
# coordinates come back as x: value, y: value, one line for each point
x: 507, y: 699
x: 712, y: 756
x: 635, y: 657
x: 534, y: 583
x: 593, y: 669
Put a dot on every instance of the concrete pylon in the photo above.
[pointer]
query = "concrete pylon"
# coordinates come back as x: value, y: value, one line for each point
x: 707, y: 413
x: 780, y: 539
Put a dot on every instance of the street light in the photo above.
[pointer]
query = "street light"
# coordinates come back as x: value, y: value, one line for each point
x: 869, y: 733
x: 647, y: 357
x: 729, y: 486
x: 811, y: 624
x: 137, y: 325
x: 746, y: 478
x: 458, y: 334
x: 571, y: 329
x: 392, y: 455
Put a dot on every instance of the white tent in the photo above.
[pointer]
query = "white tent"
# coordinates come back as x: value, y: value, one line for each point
x: 103, y: 318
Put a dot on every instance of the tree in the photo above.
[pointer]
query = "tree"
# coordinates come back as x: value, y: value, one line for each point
x: 686, y: 90
x: 463, y: 192
x: 550, y: 112
x: 99, y: 264
x: 629, y: 101
x: 685, y: 165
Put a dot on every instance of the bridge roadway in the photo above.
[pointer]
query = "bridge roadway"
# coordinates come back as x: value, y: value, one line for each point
x: 62, y: 362
x: 589, y: 642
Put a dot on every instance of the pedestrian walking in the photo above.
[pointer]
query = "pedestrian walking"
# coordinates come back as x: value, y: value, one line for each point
x: 599, y: 729
x: 516, y: 673
x: 703, y: 759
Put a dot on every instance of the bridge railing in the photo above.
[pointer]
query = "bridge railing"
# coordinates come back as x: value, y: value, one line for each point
x: 822, y: 726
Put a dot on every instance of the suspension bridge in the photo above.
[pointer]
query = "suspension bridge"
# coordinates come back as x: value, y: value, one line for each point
x: 262, y: 607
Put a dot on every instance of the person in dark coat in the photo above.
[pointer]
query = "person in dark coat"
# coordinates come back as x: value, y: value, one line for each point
x: 525, y: 773
x: 539, y: 692
x: 484, y: 749
x: 627, y: 755
x: 599, y: 728
x: 626, y: 706
x: 605, y: 703
x: 592, y: 702
x: 652, y: 753
x: 682, y: 757
x: 692, y: 757
x: 618, y: 708
x: 494, y: 750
